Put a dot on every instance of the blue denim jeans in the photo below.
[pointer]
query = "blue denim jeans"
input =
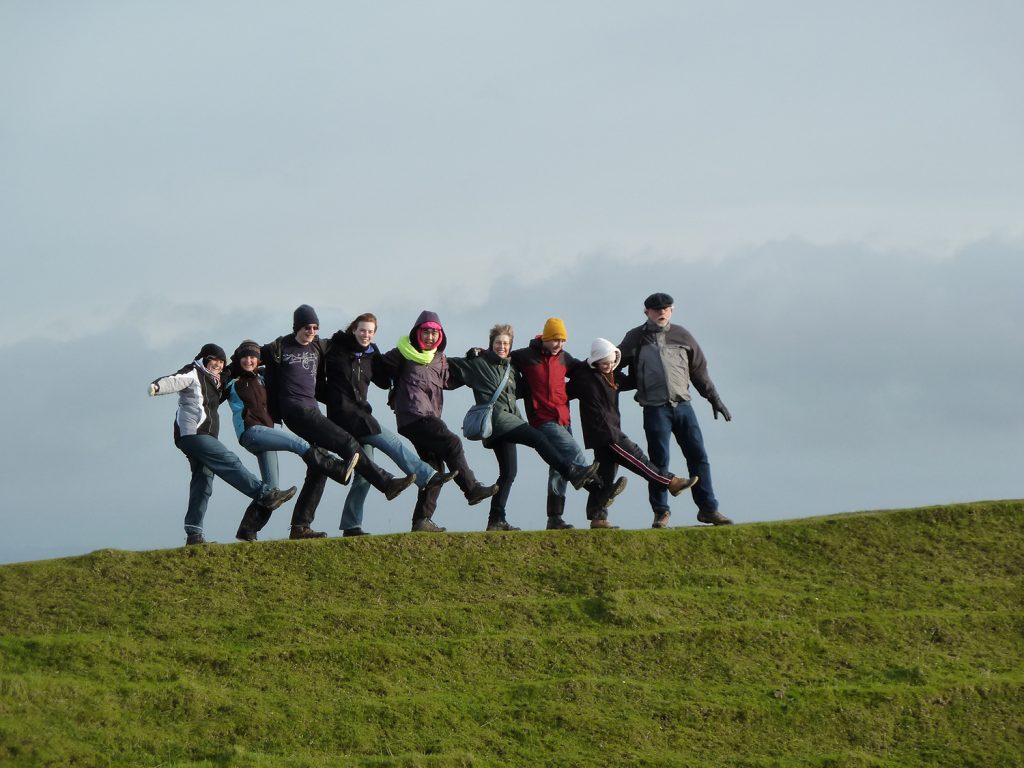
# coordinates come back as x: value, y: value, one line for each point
x: 392, y: 446
x: 661, y: 424
x: 208, y: 456
x: 562, y: 440
x: 264, y: 442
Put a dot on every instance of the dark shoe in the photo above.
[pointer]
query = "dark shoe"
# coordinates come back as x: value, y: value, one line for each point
x: 336, y: 469
x: 556, y: 523
x: 275, y: 497
x: 355, y: 532
x: 501, y: 525
x: 305, y: 532
x: 679, y: 484
x: 714, y: 518
x: 480, y: 492
x: 256, y: 516
x: 440, y: 478
x: 396, y: 485
x: 580, y: 474
x: 661, y: 519
x: 607, y: 524
x: 426, y: 525
x: 194, y: 538
x: 619, y: 487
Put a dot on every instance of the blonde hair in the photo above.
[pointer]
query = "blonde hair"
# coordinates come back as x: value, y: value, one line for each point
x: 498, y: 330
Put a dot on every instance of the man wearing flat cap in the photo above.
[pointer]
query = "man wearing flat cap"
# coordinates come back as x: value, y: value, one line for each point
x: 661, y: 360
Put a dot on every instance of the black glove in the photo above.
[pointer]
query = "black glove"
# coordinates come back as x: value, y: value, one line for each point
x: 718, y: 407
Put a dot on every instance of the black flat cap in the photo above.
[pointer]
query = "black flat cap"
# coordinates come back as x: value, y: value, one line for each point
x: 658, y: 301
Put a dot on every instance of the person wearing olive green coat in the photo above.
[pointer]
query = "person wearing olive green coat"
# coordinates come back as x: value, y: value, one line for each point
x: 482, y: 372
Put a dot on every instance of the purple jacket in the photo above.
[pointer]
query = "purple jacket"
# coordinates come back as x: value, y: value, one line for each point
x: 418, y: 389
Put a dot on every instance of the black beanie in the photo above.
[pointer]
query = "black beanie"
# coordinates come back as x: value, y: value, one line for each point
x: 247, y: 347
x: 304, y: 315
x: 214, y: 351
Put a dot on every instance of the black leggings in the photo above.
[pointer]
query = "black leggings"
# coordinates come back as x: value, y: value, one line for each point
x: 504, y: 448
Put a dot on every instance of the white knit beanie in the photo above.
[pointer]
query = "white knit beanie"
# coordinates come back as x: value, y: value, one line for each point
x: 602, y: 348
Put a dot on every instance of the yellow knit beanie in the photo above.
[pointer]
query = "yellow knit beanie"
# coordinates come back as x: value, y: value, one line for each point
x: 554, y: 330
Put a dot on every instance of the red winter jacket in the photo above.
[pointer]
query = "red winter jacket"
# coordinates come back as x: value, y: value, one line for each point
x: 542, y: 377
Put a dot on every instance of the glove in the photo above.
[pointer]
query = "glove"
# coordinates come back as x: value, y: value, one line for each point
x: 718, y: 407
x: 153, y: 389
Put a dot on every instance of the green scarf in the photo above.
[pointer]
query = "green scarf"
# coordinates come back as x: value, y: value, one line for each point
x: 410, y: 353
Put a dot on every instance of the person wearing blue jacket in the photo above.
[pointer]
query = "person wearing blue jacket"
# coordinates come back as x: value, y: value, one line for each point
x: 246, y: 393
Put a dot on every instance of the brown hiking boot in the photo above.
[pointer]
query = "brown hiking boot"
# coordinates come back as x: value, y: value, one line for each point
x: 440, y: 478
x: 305, y: 532
x: 661, y: 519
x: 582, y: 474
x: 396, y: 485
x: 679, y: 484
x: 607, y: 524
x: 195, y: 538
x: 426, y: 525
x: 275, y: 497
x: 357, y: 531
x: 617, y: 488
x: 714, y: 518
x: 501, y: 525
x: 480, y: 492
x: 556, y: 523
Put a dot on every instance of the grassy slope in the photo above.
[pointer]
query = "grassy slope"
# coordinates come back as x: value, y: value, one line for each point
x: 874, y: 639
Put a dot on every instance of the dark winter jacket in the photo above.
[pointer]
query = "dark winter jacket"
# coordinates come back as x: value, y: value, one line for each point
x: 599, y: 406
x: 198, y: 400
x: 350, y: 368
x: 247, y: 396
x: 543, y: 380
x: 675, y: 361
x: 418, y: 388
x: 482, y: 373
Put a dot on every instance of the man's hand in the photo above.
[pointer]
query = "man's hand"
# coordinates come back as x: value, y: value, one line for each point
x: 718, y: 407
x: 153, y: 389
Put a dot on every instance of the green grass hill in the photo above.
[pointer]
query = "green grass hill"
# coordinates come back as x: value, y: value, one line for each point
x: 867, y: 639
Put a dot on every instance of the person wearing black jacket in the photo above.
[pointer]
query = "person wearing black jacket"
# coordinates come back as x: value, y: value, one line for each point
x: 352, y: 362
x: 295, y: 379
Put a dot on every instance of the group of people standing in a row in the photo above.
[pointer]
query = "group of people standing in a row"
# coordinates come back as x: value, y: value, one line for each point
x: 287, y: 379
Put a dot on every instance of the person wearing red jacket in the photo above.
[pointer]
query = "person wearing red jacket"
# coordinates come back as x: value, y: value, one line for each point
x: 543, y: 365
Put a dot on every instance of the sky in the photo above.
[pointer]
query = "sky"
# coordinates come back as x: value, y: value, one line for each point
x: 832, y: 192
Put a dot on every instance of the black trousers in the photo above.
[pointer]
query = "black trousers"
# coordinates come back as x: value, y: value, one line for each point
x: 437, y: 445
x: 624, y: 453
x: 315, y: 428
x: 504, y: 448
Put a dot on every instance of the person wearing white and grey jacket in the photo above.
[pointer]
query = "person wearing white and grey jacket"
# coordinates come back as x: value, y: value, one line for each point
x: 196, y: 429
x: 660, y: 361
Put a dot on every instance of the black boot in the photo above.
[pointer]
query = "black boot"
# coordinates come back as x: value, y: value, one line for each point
x: 339, y: 471
x: 556, y: 506
x: 256, y: 516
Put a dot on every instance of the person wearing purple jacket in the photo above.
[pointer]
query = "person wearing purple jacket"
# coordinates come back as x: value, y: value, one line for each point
x: 419, y: 374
